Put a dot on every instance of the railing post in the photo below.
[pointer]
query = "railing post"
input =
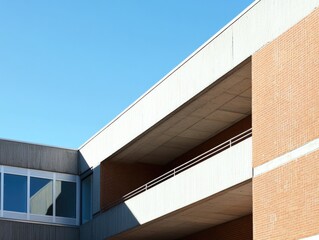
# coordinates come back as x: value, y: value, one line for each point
x: 174, y: 172
x: 145, y: 187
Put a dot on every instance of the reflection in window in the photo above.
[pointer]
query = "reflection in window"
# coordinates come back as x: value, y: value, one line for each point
x: 65, y: 199
x: 86, y: 195
x: 15, y: 193
x: 41, y: 196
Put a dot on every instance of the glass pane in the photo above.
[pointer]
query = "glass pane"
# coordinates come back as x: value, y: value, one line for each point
x: 15, y: 193
x: 86, y: 195
x: 41, y: 197
x: 65, y: 199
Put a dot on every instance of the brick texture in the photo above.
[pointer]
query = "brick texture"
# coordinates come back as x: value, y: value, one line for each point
x: 286, y: 200
x: 285, y: 91
x: 239, y: 229
x: 285, y: 116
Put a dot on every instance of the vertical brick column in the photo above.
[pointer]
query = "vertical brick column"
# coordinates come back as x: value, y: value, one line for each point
x: 285, y: 92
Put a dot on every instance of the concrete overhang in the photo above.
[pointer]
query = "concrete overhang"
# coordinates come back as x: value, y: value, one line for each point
x: 221, y: 105
x: 223, y: 207
x: 227, y: 49
x: 179, y: 200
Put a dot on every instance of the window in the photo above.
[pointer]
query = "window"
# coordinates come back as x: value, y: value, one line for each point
x: 86, y: 197
x: 65, y: 199
x: 41, y: 196
x: 15, y: 193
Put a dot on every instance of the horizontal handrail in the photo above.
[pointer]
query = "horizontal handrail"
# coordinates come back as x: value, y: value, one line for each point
x: 213, y: 151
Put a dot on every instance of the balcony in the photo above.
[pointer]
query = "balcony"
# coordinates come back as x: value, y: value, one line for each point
x: 208, y: 190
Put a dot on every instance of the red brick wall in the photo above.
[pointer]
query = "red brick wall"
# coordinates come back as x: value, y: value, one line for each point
x: 285, y: 92
x: 286, y: 200
x: 118, y: 179
x: 285, y: 95
x: 239, y: 229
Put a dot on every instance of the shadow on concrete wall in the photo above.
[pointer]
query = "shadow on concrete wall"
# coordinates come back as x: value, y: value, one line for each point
x: 109, y: 223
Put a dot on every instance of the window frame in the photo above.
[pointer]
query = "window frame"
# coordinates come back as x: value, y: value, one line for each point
x: 39, y: 174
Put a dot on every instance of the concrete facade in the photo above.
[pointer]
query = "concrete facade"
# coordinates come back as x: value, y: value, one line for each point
x: 23, y: 230
x: 44, y: 162
x: 231, y: 153
x: 40, y: 157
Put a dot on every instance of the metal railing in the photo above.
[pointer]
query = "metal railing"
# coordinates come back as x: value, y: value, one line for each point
x: 200, y: 158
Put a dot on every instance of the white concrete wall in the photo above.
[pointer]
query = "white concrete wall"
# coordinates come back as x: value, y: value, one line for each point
x: 216, y: 174
x: 259, y: 24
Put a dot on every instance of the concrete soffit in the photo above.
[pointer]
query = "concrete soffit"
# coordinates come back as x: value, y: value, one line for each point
x: 221, y: 105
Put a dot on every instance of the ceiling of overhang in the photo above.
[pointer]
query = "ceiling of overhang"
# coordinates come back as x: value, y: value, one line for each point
x: 214, y: 110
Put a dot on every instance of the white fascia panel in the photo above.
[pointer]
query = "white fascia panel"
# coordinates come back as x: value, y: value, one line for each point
x: 316, y: 237
x: 224, y: 170
x: 265, y: 22
x: 197, y: 74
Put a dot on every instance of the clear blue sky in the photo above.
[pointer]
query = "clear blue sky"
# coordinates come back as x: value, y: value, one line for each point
x: 67, y: 68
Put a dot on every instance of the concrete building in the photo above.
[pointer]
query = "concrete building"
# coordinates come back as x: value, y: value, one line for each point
x: 225, y: 146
